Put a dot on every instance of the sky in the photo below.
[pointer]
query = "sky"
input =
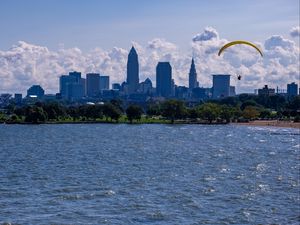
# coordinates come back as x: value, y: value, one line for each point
x: 40, y: 40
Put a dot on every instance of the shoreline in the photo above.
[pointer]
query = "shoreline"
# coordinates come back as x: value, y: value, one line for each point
x: 268, y: 123
x: 271, y: 123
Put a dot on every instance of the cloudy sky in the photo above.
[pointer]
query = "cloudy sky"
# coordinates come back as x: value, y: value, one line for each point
x: 40, y: 40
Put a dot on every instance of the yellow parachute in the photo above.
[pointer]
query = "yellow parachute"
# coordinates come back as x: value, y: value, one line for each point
x: 239, y: 42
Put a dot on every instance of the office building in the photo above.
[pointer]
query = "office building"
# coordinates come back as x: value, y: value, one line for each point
x: 83, y: 83
x: 93, y: 84
x: 181, y: 92
x: 75, y: 91
x: 232, y: 91
x: 35, y: 90
x: 292, y: 89
x: 4, y: 99
x: 221, y: 86
x: 200, y: 93
x: 132, y: 71
x: 116, y: 86
x: 64, y: 81
x: 193, y: 76
x: 18, y: 98
x: 145, y: 87
x: 164, y: 79
x: 104, y: 83
x: 266, y: 91
x: 72, y: 86
x: 76, y: 75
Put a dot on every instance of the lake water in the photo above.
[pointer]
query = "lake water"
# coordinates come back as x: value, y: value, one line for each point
x: 153, y: 174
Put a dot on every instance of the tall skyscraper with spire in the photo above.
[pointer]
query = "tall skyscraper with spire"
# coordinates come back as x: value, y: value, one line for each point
x: 193, y: 76
x: 132, y: 71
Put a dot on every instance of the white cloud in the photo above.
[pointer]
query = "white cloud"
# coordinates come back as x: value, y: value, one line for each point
x: 295, y: 32
x: 278, y: 41
x: 26, y: 64
x: 208, y: 34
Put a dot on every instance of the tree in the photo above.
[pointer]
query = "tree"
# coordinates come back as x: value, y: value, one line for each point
x: 209, y: 111
x: 294, y: 104
x: 153, y: 110
x: 250, y: 112
x: 248, y: 103
x: 134, y: 112
x: 73, y: 112
x: 226, y: 113
x: 111, y: 111
x: 54, y: 110
x: 35, y: 115
x: 174, y: 109
x: 265, y: 113
x: 117, y: 103
x: 231, y: 101
x: 193, y: 113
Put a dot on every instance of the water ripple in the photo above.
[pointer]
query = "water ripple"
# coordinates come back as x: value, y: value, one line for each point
x: 158, y: 174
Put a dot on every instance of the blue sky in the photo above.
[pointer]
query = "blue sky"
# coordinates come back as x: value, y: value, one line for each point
x: 43, y: 39
x: 98, y: 23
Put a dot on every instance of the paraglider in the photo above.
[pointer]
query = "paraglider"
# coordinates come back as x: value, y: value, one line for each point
x: 239, y: 77
x: 237, y: 43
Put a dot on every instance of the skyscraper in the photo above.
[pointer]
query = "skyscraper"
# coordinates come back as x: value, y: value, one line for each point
x: 132, y: 71
x: 193, y: 76
x: 93, y: 84
x: 76, y: 74
x: 104, y: 83
x: 164, y: 79
x: 72, y: 86
x: 221, y: 85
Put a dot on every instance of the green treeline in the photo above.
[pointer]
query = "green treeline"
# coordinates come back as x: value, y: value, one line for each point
x: 240, y: 108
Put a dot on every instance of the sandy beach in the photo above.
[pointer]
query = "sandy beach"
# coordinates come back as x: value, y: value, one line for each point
x: 274, y: 123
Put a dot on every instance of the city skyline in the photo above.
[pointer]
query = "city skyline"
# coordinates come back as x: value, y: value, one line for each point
x: 34, y: 59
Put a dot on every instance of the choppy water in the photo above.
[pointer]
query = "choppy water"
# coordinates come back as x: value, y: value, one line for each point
x: 154, y: 174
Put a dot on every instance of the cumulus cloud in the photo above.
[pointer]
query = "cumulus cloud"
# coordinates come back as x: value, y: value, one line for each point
x: 208, y: 34
x: 278, y: 41
x: 295, y: 31
x: 25, y: 64
x: 161, y: 44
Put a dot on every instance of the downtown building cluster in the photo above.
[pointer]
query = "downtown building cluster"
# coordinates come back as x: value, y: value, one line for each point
x: 96, y: 87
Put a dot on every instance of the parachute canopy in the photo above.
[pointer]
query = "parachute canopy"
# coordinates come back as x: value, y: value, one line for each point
x: 239, y: 42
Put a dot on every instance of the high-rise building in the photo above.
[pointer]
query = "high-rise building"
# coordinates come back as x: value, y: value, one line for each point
x: 75, y: 91
x: 104, y: 83
x: 164, y: 79
x: 77, y: 76
x: 64, y: 81
x: 72, y: 86
x: 221, y: 85
x: 292, y: 89
x: 132, y: 71
x: 83, y: 83
x: 36, y: 90
x: 93, y: 84
x: 193, y: 76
